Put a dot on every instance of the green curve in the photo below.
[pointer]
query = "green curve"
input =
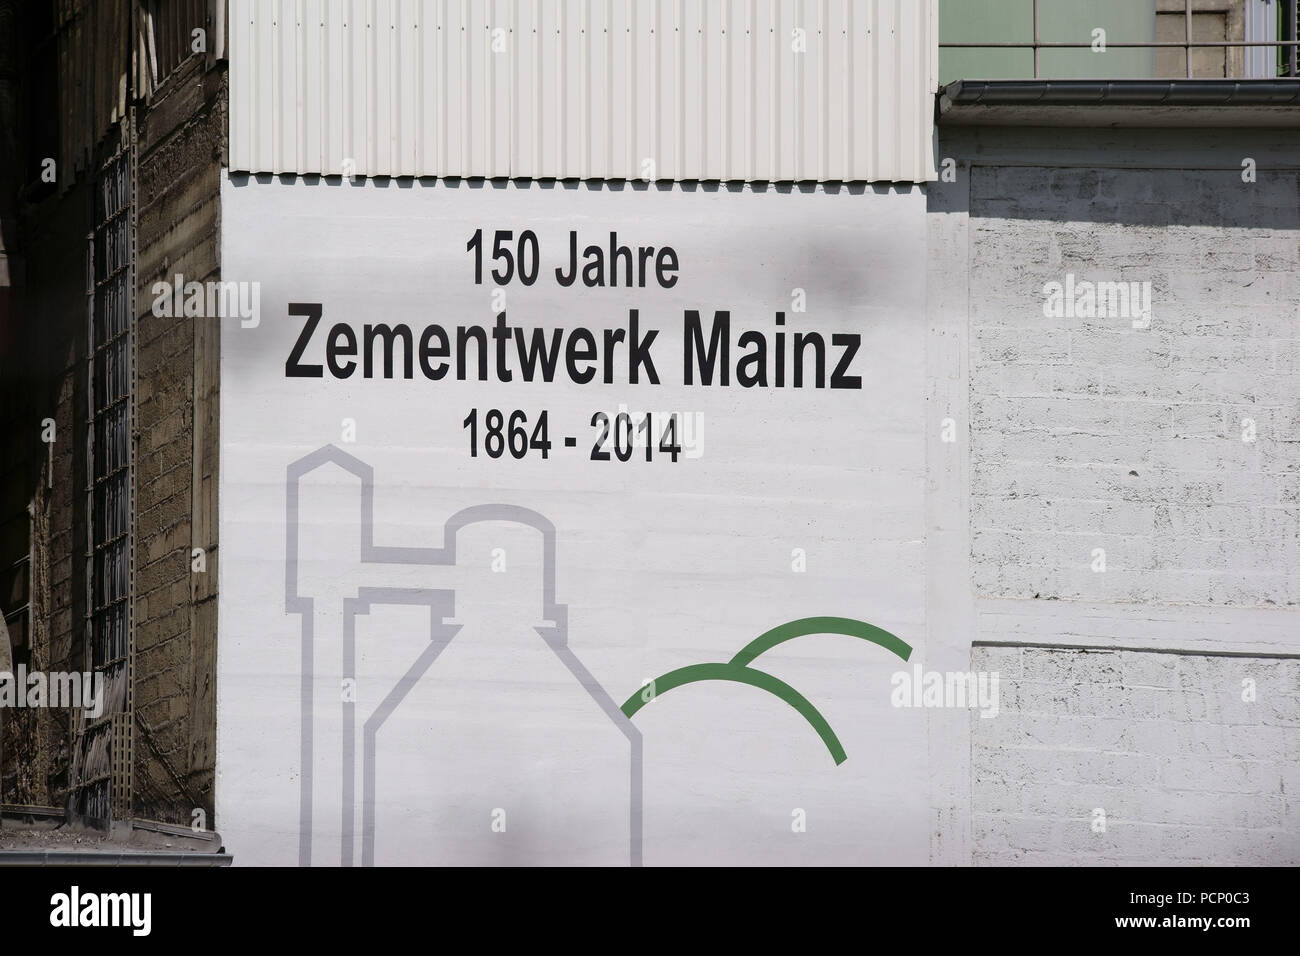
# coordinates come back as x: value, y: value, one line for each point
x: 821, y: 625
x: 743, y: 675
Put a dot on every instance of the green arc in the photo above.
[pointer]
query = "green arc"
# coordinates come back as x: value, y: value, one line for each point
x: 739, y: 671
x: 743, y: 675
x: 821, y: 625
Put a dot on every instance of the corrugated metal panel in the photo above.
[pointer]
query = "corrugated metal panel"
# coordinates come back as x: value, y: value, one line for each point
x: 603, y: 89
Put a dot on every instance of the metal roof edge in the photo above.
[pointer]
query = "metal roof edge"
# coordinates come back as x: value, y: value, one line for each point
x: 114, y: 859
x: 1208, y: 102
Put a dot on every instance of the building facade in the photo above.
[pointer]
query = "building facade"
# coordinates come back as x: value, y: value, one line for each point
x: 441, y: 429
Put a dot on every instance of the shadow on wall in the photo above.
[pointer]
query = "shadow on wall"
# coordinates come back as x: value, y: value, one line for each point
x: 1224, y: 178
x: 239, y: 179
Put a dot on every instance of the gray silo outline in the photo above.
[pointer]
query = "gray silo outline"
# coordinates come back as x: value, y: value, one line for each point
x: 441, y: 633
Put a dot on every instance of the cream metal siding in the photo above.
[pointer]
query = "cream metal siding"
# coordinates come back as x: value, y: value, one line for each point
x: 601, y: 89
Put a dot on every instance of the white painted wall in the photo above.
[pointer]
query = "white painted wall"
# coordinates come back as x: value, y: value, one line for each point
x: 660, y: 564
x: 1121, y: 690
x: 1164, y: 690
x: 1089, y: 433
x: 1136, y: 757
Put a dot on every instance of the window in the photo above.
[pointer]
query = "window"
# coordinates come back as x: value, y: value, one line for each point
x: 168, y: 32
x: 102, y: 770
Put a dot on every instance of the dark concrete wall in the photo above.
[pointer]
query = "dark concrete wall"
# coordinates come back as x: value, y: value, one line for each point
x: 45, y: 377
x: 180, y: 130
x: 181, y: 139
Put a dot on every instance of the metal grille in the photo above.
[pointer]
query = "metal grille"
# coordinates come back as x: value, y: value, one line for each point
x: 111, y: 443
x: 103, y: 749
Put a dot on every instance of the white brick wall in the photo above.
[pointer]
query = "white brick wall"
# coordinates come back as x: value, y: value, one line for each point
x: 1083, y: 433
x: 1186, y: 771
x: 1086, y: 433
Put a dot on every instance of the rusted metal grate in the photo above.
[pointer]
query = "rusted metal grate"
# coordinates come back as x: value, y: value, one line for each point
x: 102, y: 754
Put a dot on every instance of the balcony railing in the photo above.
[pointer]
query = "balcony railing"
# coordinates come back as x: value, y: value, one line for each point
x: 1286, y: 44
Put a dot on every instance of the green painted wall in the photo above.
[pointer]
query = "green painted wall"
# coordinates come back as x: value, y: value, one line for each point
x: 972, y: 21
